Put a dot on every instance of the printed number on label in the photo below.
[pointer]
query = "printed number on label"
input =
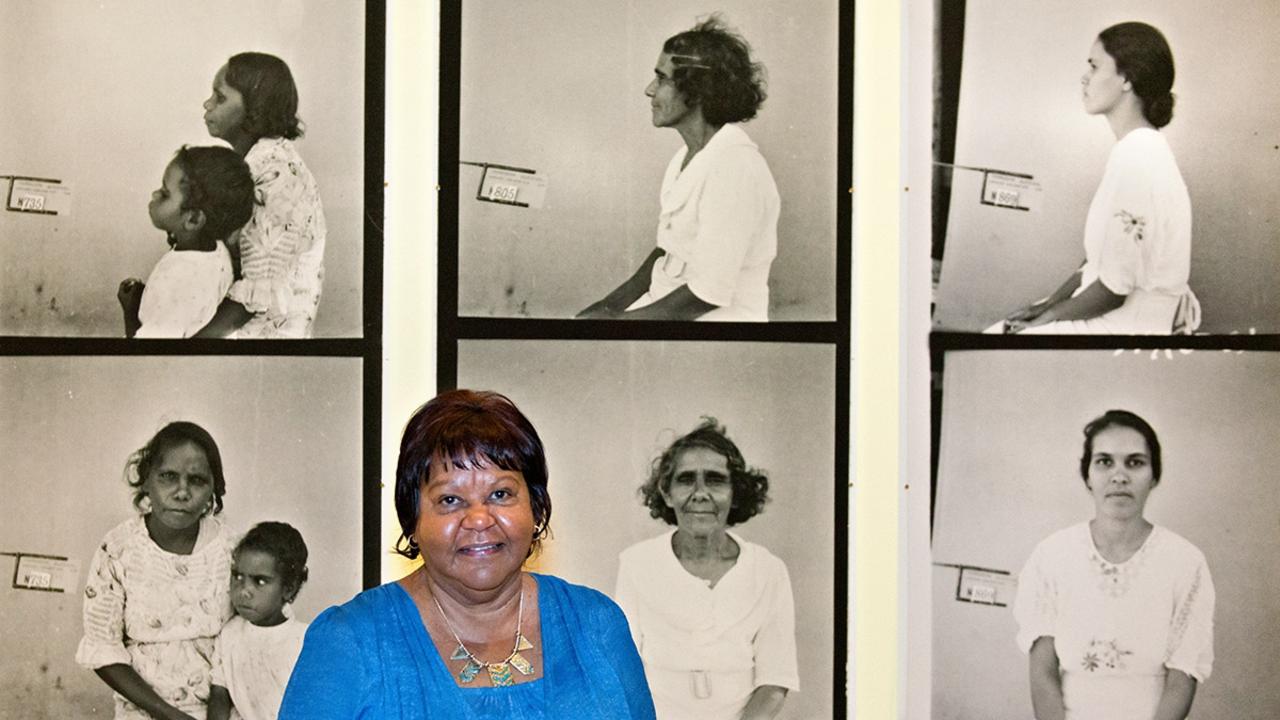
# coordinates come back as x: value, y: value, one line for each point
x: 1008, y: 198
x: 31, y: 202
x: 503, y: 193
x: 38, y: 579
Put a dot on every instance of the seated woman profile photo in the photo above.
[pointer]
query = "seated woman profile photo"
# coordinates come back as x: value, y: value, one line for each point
x: 1137, y: 235
x: 718, y: 224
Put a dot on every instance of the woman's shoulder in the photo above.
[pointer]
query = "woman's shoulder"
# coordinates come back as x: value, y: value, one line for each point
x: 1174, y: 545
x: 1142, y: 149
x: 758, y: 555
x: 129, y: 533
x: 646, y: 549
x: 1069, y: 538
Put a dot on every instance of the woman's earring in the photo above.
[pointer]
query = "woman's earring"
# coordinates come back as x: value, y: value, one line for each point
x: 145, y: 504
x: 413, y: 543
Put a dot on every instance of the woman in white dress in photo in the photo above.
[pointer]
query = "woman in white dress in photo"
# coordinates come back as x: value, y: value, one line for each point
x: 1137, y: 235
x: 712, y: 614
x: 1116, y: 614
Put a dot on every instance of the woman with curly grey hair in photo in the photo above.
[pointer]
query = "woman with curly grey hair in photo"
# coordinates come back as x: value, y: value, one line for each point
x: 711, y: 613
x: 718, y: 226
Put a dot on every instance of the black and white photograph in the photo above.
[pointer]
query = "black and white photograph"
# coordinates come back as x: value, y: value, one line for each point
x: 141, y: 492
x: 1104, y: 535
x: 1106, y: 168
x: 694, y: 483
x: 177, y: 170
x: 661, y: 161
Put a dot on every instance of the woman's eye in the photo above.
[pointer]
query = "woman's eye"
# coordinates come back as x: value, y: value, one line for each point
x: 1104, y: 462
x: 199, y: 480
x: 448, y: 500
x: 1137, y: 462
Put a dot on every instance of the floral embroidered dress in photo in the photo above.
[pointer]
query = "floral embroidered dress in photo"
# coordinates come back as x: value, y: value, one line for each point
x: 157, y: 612
x: 281, y: 249
x: 1117, y: 626
x: 1137, y: 243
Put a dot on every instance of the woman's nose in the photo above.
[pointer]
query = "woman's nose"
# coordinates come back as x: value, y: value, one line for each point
x: 477, y: 518
x: 207, y: 104
x: 651, y: 88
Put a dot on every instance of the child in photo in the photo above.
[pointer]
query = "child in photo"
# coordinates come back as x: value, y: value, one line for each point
x: 205, y: 196
x: 257, y: 648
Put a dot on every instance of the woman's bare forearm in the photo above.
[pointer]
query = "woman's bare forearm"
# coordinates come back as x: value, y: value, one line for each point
x: 1046, y: 681
x: 1175, y: 699
x: 765, y: 703
x: 126, y: 681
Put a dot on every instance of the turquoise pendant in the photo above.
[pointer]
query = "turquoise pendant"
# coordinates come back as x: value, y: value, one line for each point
x: 469, y: 671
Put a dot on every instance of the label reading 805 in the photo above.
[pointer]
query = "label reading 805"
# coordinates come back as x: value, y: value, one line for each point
x: 503, y: 193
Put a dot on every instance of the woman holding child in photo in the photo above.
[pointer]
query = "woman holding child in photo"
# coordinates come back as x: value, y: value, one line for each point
x: 254, y: 108
x: 157, y: 593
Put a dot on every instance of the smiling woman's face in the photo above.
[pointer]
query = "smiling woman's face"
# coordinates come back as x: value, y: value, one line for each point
x: 474, y: 526
x: 701, y: 491
x: 1120, y: 474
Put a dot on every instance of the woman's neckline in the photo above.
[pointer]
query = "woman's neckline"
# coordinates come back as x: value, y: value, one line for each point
x: 436, y: 660
x: 671, y: 553
x: 1093, y: 545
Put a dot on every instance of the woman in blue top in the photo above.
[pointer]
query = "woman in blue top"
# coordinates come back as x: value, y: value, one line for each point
x: 469, y: 634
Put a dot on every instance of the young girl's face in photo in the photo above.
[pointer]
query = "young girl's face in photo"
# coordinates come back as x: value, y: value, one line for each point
x: 180, y: 486
x: 224, y: 110
x: 257, y: 590
x: 166, y: 202
x: 1102, y: 85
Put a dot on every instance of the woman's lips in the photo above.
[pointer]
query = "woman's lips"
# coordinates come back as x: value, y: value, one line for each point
x: 480, y: 549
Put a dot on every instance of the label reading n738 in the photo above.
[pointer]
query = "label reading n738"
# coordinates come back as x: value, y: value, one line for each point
x: 503, y: 193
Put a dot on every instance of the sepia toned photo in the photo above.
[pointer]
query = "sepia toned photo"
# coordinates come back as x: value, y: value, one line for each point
x: 182, y: 170
x: 1097, y: 171
x: 669, y: 162
x: 1103, y: 544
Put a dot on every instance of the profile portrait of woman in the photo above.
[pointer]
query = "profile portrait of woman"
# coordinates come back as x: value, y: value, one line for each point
x: 469, y: 633
x: 1116, y: 613
x: 712, y: 614
x: 717, y: 232
x: 1137, y: 234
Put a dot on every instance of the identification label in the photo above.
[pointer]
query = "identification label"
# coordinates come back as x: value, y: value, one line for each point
x: 1014, y: 192
x: 986, y: 587
x: 44, y: 573
x: 512, y: 187
x: 42, y: 197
